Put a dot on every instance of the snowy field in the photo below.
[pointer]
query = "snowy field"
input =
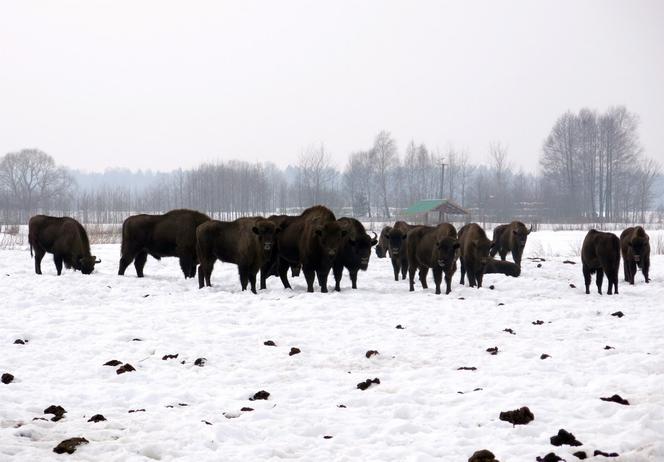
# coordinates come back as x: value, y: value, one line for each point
x: 424, y: 408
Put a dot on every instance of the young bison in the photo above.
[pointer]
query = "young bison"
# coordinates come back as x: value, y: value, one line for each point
x: 601, y: 254
x: 65, y: 238
x: 635, y: 248
x: 247, y: 242
x: 503, y: 267
x: 475, y: 248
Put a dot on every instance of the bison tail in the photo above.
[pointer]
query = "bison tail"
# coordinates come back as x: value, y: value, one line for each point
x: 31, y: 254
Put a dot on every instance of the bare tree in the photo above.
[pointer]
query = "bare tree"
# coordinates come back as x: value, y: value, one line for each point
x: 32, y: 182
x: 384, y: 157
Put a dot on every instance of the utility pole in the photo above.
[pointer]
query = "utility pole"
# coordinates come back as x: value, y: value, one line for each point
x: 442, y: 164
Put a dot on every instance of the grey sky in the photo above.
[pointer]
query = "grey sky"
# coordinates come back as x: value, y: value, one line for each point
x: 164, y: 84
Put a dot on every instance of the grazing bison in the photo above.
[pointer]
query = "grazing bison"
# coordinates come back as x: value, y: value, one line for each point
x: 635, y: 248
x: 65, y: 238
x: 475, y: 249
x: 354, y: 252
x: 246, y: 242
x: 397, y: 248
x: 510, y: 238
x: 436, y: 248
x: 503, y: 267
x: 170, y: 235
x: 601, y: 253
x: 311, y: 240
x: 383, y: 242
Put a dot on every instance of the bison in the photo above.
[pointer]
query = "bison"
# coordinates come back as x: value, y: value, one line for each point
x: 601, y: 253
x: 271, y: 267
x: 65, y: 238
x: 436, y: 248
x: 475, y: 250
x: 503, y: 267
x: 172, y: 234
x: 311, y: 240
x: 354, y: 252
x: 635, y: 248
x: 397, y: 248
x: 383, y: 242
x: 246, y: 242
x: 510, y: 238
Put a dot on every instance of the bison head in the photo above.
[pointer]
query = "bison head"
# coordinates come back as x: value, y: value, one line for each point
x: 639, y: 247
x: 87, y: 264
x: 396, y: 241
x: 266, y: 232
x: 446, y: 250
x: 361, y: 248
x: 482, y: 247
x: 383, y: 242
x: 330, y: 237
x: 521, y: 233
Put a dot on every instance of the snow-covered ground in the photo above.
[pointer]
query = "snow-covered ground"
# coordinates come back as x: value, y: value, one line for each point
x: 423, y: 409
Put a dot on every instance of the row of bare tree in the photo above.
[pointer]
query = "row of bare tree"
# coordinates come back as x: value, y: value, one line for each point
x: 592, y: 170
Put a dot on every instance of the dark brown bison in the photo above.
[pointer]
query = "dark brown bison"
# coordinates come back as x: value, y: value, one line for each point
x: 65, y: 238
x: 246, y: 242
x: 172, y: 234
x: 397, y: 248
x: 601, y: 253
x: 436, y: 248
x: 510, y: 238
x: 503, y: 267
x: 475, y: 250
x: 354, y: 252
x: 383, y: 242
x: 312, y: 240
x: 635, y: 248
x: 271, y: 267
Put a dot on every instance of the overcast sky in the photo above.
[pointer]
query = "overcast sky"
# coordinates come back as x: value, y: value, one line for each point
x: 161, y: 84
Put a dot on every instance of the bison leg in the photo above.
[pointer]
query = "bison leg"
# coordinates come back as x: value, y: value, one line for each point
x: 516, y: 256
x: 478, y: 277
x: 632, y: 271
x: 295, y: 270
x: 493, y: 251
x: 125, y: 261
x: 404, y: 268
x: 645, y: 269
x: 204, y: 274
x: 39, y: 254
x: 587, y: 278
x: 244, y: 277
x: 57, y: 259
x: 503, y: 254
x: 448, y: 282
x: 599, y: 278
x: 139, y: 263
x: 471, y: 278
x: 462, y: 270
x: 396, y: 267
x: 252, y: 280
x: 186, y: 263
x: 338, y: 271
x: 353, y: 278
x: 423, y: 276
x: 263, y: 285
x: 411, y: 277
x: 437, y: 278
x: 309, y: 276
x: 322, y: 279
x: 283, y: 273
x: 612, y: 278
x: 626, y: 270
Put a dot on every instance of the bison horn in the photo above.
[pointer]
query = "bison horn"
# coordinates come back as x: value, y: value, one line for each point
x: 375, y: 235
x: 97, y: 261
x: 530, y: 230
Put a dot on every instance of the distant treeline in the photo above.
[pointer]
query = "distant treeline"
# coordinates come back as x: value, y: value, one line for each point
x: 592, y: 170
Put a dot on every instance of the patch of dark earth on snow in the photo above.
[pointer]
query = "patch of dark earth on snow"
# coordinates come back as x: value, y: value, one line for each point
x: 57, y: 411
x: 113, y: 362
x: 544, y: 356
x: 165, y: 357
x: 399, y: 326
x: 492, y: 287
x: 69, y: 446
x: 565, y: 437
x: 200, y: 362
x: 126, y: 368
x: 367, y: 383
x: 371, y: 353
x: 572, y: 286
x: 493, y: 351
x: 580, y: 455
x: 269, y: 343
x: 605, y: 454
x: 539, y: 322
x: 7, y: 378
x: 466, y: 368
x: 19, y: 341
x: 206, y: 422
x: 569, y: 262
x: 608, y: 347
x: 260, y: 395
x: 97, y: 418
x: 483, y: 455
x: 342, y: 406
x: 509, y: 331
x: 520, y: 416
x: 136, y: 340
x: 550, y: 457
x: 294, y: 351
x: 618, y: 314
x: 616, y: 399
x: 131, y: 411
x: 247, y: 409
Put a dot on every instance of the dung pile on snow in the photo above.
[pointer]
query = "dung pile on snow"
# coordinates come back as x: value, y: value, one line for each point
x: 521, y: 416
